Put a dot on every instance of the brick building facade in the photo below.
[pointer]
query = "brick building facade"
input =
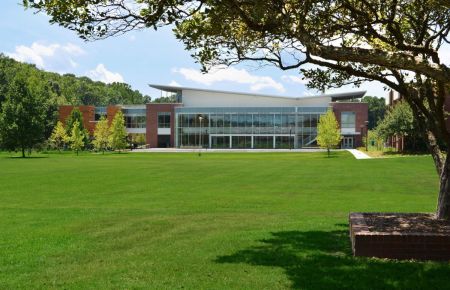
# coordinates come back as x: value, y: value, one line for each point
x: 216, y: 119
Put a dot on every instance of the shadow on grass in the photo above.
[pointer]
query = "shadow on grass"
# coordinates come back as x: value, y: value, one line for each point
x: 27, y: 157
x: 323, y: 260
x: 333, y: 154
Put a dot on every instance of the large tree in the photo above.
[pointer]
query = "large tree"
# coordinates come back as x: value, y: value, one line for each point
x: 23, y: 114
x: 395, y: 42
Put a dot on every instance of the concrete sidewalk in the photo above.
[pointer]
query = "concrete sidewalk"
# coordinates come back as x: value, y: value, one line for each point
x: 358, y: 154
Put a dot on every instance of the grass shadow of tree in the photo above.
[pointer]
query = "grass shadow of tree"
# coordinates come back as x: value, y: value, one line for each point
x: 27, y: 157
x: 323, y: 260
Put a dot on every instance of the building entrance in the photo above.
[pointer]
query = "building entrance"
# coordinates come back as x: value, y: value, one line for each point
x: 347, y: 142
x: 164, y: 141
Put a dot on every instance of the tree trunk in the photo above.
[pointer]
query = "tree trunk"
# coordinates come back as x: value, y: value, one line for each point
x: 328, y: 151
x: 23, y: 152
x: 436, y: 152
x: 443, y: 206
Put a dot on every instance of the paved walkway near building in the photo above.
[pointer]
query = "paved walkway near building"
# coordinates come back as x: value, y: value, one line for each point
x: 358, y: 154
x: 168, y: 150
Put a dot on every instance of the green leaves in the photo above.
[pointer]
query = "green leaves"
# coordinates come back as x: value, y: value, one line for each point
x: 399, y: 120
x: 69, y: 89
x: 59, y: 136
x: 118, y: 133
x: 328, y: 133
x: 23, y: 113
x: 101, y: 135
x: 77, y: 137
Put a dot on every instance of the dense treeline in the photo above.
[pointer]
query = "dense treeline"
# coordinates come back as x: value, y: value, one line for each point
x: 29, y: 98
x: 70, y: 89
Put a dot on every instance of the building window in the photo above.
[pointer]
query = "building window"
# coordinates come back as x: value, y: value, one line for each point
x: 135, y: 122
x: 135, y: 118
x: 163, y: 120
x: 100, y: 112
x: 348, y: 120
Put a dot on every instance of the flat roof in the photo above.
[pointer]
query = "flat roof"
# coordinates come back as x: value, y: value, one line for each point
x: 176, y: 89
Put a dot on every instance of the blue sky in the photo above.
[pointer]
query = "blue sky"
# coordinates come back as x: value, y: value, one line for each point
x: 139, y: 58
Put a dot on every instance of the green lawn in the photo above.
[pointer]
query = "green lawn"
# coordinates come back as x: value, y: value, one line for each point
x: 172, y: 221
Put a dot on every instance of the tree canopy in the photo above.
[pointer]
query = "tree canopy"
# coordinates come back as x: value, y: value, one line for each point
x: 377, y: 109
x: 69, y: 89
x: 75, y: 118
x: 399, y: 120
x: 328, y: 133
x: 77, y: 138
x: 59, y: 136
x: 118, y: 134
x: 101, y: 135
x: 23, y: 114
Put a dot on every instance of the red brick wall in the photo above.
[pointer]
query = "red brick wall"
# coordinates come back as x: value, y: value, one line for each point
x: 111, y: 112
x: 425, y: 245
x: 88, y: 113
x: 152, y: 122
x: 361, y: 115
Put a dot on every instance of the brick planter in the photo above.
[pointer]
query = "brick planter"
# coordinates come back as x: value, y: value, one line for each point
x: 399, y: 236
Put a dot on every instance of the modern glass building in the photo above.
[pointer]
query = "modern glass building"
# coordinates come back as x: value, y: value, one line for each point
x: 230, y: 120
x: 248, y: 127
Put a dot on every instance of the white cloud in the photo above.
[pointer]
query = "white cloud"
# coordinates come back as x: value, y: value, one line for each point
x: 53, y: 56
x: 73, y: 49
x: 294, y: 79
x: 101, y: 73
x: 230, y: 74
x: 73, y: 63
x: 174, y: 84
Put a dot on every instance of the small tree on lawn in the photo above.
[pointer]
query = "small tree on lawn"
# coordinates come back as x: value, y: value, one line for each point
x: 76, y: 138
x: 117, y: 139
x: 328, y: 133
x: 101, y: 135
x: 59, y: 136
x: 77, y: 116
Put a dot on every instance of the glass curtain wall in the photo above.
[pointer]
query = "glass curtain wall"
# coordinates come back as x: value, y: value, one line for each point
x: 193, y: 130
x: 263, y: 128
x: 135, y: 118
